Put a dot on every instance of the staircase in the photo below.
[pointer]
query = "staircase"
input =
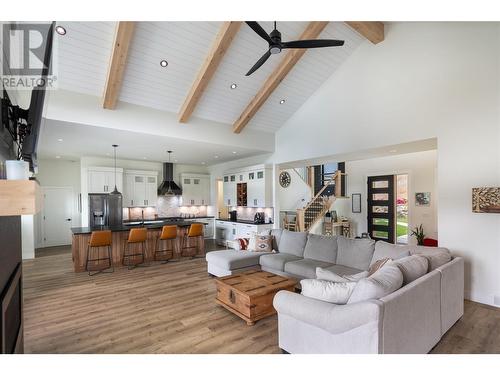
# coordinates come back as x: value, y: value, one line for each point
x: 319, y: 205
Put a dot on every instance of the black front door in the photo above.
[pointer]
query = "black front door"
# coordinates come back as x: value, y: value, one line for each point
x: 381, y: 223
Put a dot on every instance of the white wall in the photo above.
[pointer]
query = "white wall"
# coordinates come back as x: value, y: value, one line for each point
x: 421, y: 168
x: 296, y: 195
x: 58, y: 173
x: 424, y: 80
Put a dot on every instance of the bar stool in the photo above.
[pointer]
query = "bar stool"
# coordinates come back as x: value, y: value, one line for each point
x: 169, y: 234
x: 195, y: 232
x: 99, y: 239
x: 135, y: 236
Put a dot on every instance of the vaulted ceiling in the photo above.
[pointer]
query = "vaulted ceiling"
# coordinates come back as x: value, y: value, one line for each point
x: 85, y: 52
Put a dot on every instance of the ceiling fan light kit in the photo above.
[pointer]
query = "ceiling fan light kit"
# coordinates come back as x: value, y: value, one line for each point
x: 276, y: 45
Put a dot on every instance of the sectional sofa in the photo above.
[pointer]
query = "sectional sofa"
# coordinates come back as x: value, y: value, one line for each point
x: 410, y: 319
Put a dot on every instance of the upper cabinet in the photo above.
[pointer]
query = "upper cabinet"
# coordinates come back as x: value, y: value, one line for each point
x: 141, y: 188
x: 102, y: 179
x: 249, y: 187
x: 195, y: 189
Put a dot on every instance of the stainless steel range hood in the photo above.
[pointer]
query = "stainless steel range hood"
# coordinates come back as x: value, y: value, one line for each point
x: 168, y: 186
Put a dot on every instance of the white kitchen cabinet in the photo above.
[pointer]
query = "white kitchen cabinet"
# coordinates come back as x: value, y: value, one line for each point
x: 229, y: 189
x: 229, y: 230
x: 102, y: 179
x: 258, y: 180
x: 195, y: 189
x: 140, y: 189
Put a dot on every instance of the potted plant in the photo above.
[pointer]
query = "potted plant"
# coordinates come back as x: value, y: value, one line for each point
x: 418, y: 232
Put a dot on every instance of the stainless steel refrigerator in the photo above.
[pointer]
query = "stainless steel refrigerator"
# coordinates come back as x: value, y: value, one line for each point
x: 105, y: 210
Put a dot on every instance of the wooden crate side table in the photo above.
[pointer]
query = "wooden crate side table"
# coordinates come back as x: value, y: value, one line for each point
x: 250, y: 294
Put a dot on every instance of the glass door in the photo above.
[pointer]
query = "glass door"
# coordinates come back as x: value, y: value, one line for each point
x: 381, y: 208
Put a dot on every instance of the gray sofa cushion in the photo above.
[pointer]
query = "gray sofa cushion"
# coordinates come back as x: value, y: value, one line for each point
x: 437, y: 256
x: 355, y: 253
x: 277, y: 261
x: 328, y: 291
x: 382, y: 283
x: 305, y: 268
x: 388, y: 250
x: 343, y: 270
x: 322, y: 248
x: 293, y: 242
x: 276, y: 233
x: 412, y: 267
x: 233, y: 259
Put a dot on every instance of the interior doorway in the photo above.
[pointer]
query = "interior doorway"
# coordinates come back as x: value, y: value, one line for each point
x: 222, y: 210
x: 57, y: 216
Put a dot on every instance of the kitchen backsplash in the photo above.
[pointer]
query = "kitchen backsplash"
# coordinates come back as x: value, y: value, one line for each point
x: 165, y: 207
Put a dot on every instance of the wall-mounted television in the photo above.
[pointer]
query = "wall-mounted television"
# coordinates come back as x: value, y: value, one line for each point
x: 23, y: 125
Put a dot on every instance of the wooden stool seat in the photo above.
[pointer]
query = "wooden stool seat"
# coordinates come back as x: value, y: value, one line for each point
x: 99, y: 239
x: 135, y: 236
x: 195, y: 231
x: 168, y: 234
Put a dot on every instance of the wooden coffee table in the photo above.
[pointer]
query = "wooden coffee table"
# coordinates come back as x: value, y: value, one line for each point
x: 250, y: 294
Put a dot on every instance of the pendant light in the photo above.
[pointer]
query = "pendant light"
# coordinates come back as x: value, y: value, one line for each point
x: 115, y: 191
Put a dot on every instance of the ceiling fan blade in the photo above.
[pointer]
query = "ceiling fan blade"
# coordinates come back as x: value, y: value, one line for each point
x: 259, y: 63
x: 259, y: 30
x: 312, y: 43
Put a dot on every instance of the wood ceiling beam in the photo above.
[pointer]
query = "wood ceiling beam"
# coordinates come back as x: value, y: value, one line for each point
x: 123, y: 37
x: 221, y: 44
x: 373, y: 31
x: 291, y: 58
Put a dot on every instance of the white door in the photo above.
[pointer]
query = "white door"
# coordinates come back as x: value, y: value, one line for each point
x: 151, y: 191
x: 57, y: 216
x: 139, y: 196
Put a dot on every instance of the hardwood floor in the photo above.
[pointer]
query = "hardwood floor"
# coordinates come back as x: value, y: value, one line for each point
x: 170, y: 309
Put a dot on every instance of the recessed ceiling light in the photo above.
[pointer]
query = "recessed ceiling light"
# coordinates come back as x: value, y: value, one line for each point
x: 144, y: 157
x: 202, y: 162
x: 233, y: 86
x: 282, y: 101
x: 58, y: 157
x: 393, y: 151
x: 163, y: 63
x: 216, y: 156
x: 234, y: 152
x: 60, y: 30
x: 175, y: 160
x: 60, y: 140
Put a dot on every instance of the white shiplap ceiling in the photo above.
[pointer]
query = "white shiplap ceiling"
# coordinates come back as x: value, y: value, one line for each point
x: 85, y: 50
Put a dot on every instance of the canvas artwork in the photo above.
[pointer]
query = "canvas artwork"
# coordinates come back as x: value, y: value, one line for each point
x: 423, y: 199
x: 486, y: 199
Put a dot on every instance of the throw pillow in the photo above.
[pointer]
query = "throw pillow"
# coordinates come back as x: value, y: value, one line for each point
x: 383, y: 282
x: 327, y: 291
x: 324, y: 274
x: 251, y: 243
x: 378, y: 265
x: 243, y: 243
x: 412, y: 267
x: 263, y: 243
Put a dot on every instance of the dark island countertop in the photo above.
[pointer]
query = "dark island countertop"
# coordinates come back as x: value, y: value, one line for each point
x: 167, y: 218
x: 124, y: 227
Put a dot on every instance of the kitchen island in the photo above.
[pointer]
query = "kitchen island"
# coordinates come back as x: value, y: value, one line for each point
x: 81, y: 237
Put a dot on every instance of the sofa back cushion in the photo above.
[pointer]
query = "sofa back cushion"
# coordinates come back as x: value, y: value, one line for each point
x: 292, y: 243
x: 328, y: 291
x: 412, y: 267
x: 382, y: 283
x: 388, y: 250
x: 355, y: 253
x: 276, y: 233
x: 437, y: 256
x: 322, y: 248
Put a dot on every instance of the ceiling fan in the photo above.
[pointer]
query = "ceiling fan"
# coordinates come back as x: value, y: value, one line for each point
x: 276, y: 45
